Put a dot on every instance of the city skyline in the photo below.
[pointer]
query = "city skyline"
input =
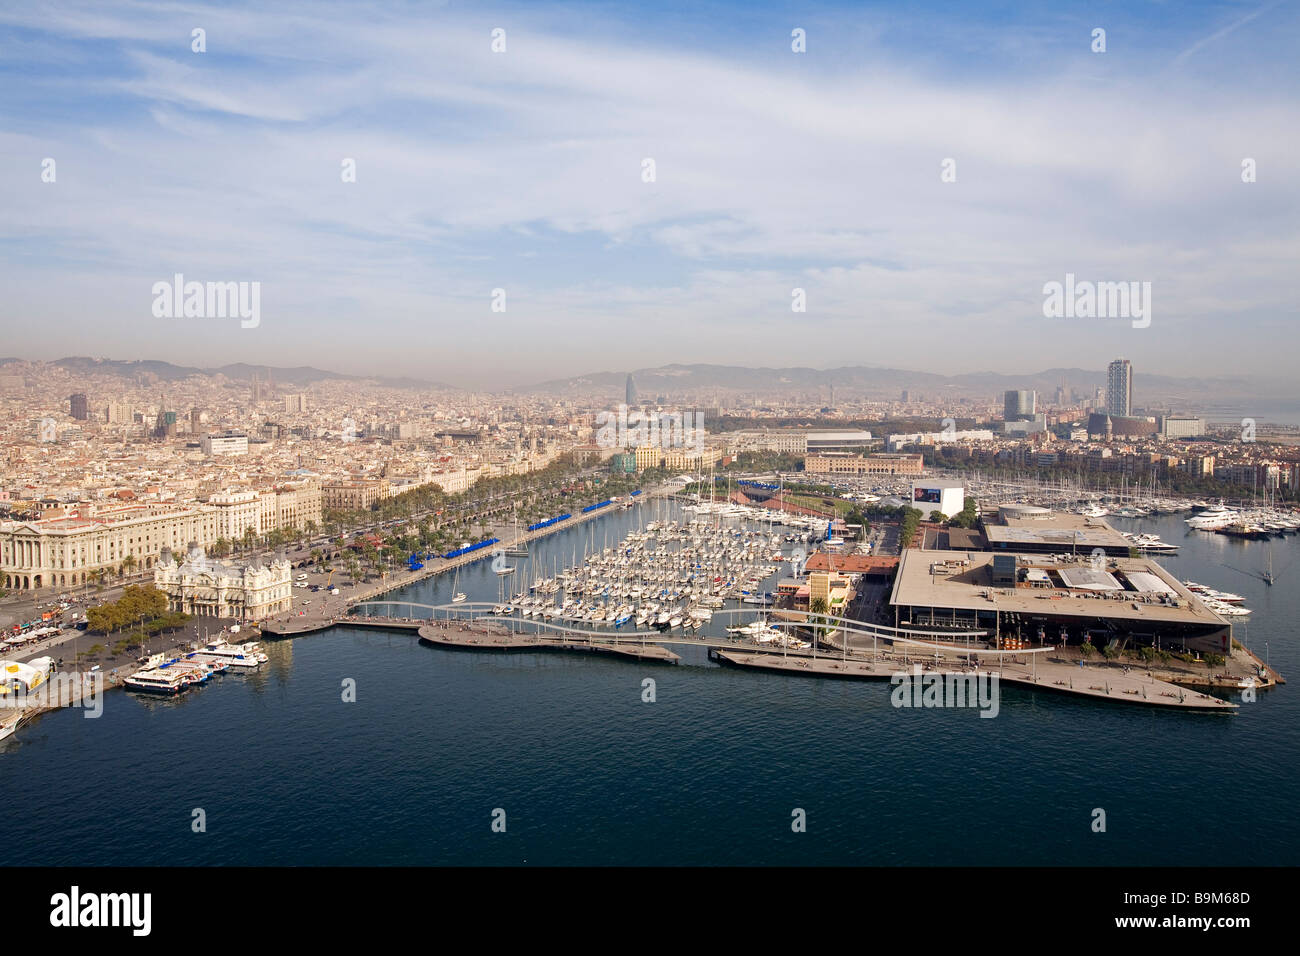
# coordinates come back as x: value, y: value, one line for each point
x: 524, y: 171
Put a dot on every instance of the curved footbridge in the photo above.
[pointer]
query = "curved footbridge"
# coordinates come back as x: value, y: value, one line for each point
x: 471, y: 626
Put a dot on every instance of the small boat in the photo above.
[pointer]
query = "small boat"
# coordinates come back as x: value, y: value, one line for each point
x: 9, y: 723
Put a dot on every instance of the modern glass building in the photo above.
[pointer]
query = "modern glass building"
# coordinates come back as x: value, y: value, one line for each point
x: 1119, y: 388
x: 1019, y: 405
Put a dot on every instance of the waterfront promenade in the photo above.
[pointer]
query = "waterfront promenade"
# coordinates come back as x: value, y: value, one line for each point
x: 1121, y: 687
x: 894, y: 655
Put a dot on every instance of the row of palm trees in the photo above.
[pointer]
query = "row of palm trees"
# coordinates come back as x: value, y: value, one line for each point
x: 439, y: 522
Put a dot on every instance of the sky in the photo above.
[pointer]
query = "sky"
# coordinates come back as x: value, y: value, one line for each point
x: 524, y: 170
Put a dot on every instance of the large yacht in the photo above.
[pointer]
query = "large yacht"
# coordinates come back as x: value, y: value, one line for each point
x: 1212, y: 518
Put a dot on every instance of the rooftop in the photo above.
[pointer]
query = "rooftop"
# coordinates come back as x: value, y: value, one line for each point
x: 967, y: 585
x: 1069, y: 532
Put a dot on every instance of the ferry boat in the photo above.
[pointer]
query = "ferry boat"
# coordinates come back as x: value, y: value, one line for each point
x: 239, y: 656
x: 168, y: 681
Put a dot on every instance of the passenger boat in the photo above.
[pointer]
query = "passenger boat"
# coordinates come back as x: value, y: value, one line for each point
x: 239, y: 656
x: 9, y: 723
x: 168, y: 681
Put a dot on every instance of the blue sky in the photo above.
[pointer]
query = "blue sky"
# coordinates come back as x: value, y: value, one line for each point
x: 774, y: 170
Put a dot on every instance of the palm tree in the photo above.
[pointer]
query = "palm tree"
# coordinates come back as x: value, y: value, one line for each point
x: 817, y: 606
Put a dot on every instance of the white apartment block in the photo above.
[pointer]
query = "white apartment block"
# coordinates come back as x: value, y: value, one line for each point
x: 237, y: 513
x: 286, y: 507
x: 780, y: 441
x: 224, y: 444
x: 454, y: 481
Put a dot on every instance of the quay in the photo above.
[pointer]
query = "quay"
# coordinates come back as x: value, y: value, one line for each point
x: 1096, y: 681
x: 460, y: 635
x: 1128, y: 688
x: 481, y: 635
x: 439, y: 565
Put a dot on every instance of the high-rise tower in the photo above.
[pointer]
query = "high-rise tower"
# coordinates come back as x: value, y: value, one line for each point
x: 1119, y: 389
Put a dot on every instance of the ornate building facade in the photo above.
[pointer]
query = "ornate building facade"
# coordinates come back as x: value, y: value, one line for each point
x: 204, y: 587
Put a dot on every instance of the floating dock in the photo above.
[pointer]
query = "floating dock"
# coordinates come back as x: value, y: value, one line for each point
x: 460, y: 636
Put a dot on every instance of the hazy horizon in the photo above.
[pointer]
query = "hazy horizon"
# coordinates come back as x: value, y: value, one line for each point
x: 774, y: 170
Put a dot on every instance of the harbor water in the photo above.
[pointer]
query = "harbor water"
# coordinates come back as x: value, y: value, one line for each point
x: 587, y: 772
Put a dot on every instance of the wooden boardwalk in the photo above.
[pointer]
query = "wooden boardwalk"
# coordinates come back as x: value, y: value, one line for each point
x: 1132, y: 686
x: 1123, y: 688
x: 460, y: 636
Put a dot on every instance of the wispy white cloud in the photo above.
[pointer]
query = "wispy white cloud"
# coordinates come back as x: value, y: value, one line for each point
x: 522, y: 170
x: 1224, y: 31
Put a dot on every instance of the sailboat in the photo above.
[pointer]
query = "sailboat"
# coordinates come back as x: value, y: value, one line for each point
x: 517, y: 551
x: 457, y: 595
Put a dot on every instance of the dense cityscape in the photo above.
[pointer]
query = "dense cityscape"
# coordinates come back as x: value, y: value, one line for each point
x: 857, y: 439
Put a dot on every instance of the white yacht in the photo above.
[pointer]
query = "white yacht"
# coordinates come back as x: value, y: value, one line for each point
x: 1213, y: 518
x: 239, y: 656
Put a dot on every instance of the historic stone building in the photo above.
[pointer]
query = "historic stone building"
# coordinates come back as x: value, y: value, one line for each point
x: 204, y: 587
x: 64, y: 552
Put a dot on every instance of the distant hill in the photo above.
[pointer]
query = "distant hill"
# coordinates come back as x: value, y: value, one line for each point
x: 167, y: 372
x: 699, y: 380
x: 702, y: 383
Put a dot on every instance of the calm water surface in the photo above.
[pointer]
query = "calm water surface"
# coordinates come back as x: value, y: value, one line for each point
x: 709, y: 774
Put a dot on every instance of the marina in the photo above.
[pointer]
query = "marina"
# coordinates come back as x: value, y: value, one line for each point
x: 441, y: 703
x: 694, y: 579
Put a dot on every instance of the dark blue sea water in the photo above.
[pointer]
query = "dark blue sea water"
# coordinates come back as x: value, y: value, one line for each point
x: 287, y: 773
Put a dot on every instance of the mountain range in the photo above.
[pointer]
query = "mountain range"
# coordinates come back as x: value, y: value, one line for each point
x: 702, y: 383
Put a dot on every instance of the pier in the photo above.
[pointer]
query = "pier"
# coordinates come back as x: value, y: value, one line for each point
x: 894, y: 651
x: 459, y: 635
x: 1121, y: 688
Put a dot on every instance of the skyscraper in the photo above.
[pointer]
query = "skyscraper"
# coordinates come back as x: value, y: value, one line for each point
x: 80, y: 408
x: 1019, y: 405
x: 630, y: 391
x: 1119, y: 388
